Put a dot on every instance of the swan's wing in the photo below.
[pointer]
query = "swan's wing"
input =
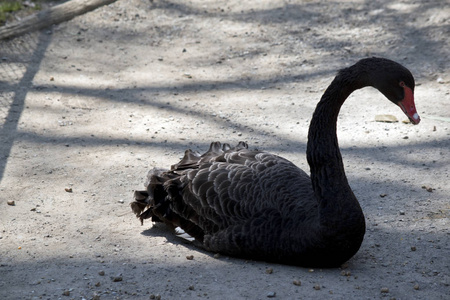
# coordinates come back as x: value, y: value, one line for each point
x: 205, y: 194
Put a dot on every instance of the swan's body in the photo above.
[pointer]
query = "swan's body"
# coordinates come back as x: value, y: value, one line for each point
x: 260, y: 206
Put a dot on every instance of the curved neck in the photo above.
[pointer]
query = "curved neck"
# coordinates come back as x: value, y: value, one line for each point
x: 328, y: 178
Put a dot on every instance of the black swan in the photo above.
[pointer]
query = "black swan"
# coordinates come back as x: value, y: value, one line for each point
x: 257, y: 205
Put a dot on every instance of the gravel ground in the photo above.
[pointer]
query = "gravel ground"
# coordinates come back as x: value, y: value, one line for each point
x: 88, y: 106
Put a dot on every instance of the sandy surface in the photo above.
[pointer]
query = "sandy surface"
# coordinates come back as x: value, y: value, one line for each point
x: 90, y: 105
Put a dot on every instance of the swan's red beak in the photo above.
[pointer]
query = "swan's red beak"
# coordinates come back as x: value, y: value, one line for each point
x: 408, y: 106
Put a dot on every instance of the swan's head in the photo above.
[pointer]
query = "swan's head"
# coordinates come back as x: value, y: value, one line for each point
x: 397, y: 84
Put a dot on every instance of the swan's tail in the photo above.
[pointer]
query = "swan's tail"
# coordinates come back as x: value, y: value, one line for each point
x: 167, y: 197
x: 163, y: 202
x: 146, y: 201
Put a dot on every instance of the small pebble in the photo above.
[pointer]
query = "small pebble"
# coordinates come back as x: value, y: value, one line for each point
x: 66, y: 293
x: 269, y: 271
x: 427, y: 188
x: 317, y: 287
x: 191, y: 288
x: 11, y: 202
x: 346, y: 273
x: 121, y: 201
x: 402, y: 212
x: 189, y: 257
x: 413, y: 248
x: 416, y: 287
x: 101, y: 273
x: 117, y: 279
x: 297, y: 282
x: 217, y: 255
x: 69, y: 190
x: 385, y: 290
x: 271, y: 295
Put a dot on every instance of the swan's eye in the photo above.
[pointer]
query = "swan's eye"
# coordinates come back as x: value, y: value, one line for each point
x: 402, y: 84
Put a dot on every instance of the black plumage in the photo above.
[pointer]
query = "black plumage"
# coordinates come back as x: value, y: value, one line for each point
x: 258, y: 205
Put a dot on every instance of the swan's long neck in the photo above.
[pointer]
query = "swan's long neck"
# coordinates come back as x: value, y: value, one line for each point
x: 336, y: 199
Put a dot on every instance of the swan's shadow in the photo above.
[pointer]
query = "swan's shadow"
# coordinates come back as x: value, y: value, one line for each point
x: 161, y: 230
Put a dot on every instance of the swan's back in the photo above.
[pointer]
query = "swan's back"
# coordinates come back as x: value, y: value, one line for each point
x: 232, y: 200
